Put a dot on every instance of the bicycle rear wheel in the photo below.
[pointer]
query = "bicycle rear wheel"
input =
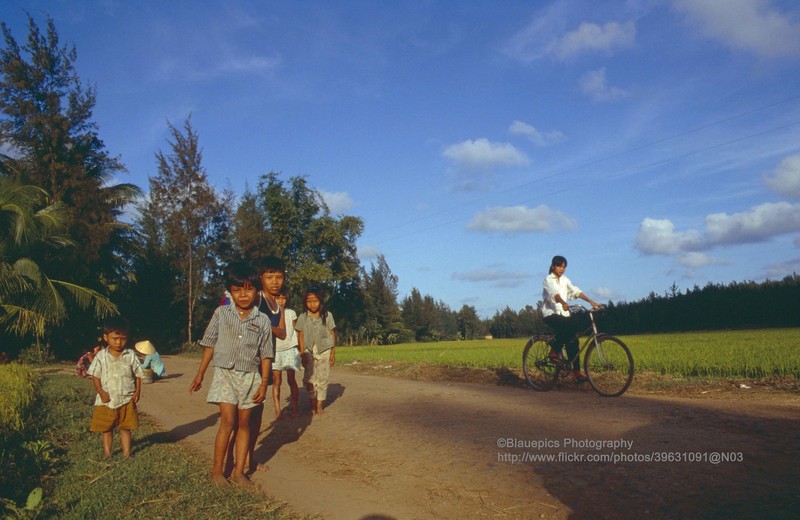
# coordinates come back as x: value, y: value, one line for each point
x: 540, y: 371
x: 609, y: 366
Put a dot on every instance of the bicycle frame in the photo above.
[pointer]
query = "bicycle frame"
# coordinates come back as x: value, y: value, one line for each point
x: 591, y: 330
x: 607, y: 360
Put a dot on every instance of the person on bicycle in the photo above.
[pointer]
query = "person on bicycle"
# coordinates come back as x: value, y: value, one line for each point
x: 558, y: 290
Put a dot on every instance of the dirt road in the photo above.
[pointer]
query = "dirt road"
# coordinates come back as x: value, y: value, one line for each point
x: 396, y: 448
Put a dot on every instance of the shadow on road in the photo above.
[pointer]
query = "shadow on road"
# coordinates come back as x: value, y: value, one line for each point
x: 691, y: 461
x: 180, y: 432
x: 286, y: 430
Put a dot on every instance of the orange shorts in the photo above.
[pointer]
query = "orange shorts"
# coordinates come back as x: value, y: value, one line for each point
x: 104, y: 419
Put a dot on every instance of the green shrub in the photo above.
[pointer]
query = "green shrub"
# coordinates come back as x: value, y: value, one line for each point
x: 18, y: 457
x: 36, y: 354
x: 17, y: 392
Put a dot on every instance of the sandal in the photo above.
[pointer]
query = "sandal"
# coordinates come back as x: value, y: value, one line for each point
x: 580, y: 377
x: 554, y: 356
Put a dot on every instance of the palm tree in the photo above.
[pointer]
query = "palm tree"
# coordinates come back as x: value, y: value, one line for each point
x: 30, y: 301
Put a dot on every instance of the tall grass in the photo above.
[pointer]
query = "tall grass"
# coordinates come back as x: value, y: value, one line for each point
x: 750, y: 353
x: 164, y: 479
x: 18, y: 457
x: 17, y: 384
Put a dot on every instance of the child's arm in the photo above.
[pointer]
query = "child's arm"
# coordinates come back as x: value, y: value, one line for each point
x: 301, y: 346
x: 333, y: 347
x: 138, y: 392
x: 98, y: 386
x: 280, y: 331
x: 208, y: 354
x: 266, y: 368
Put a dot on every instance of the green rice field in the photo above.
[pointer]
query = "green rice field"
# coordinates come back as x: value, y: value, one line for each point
x: 746, y: 353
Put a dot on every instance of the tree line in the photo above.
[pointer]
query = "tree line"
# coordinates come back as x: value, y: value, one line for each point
x: 68, y: 259
x: 738, y: 305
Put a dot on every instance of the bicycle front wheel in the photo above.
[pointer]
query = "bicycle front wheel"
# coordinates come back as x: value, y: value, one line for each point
x: 609, y: 366
x: 540, y: 371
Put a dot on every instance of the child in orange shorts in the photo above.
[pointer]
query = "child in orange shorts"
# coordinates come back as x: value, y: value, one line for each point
x: 117, y: 377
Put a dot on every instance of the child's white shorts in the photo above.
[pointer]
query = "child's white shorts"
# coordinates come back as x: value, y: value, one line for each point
x: 234, y: 387
x: 287, y: 359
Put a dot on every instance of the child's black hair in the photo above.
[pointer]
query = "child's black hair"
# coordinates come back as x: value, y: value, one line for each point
x: 240, y: 274
x: 557, y: 260
x: 323, y: 311
x: 271, y: 263
x: 116, y: 324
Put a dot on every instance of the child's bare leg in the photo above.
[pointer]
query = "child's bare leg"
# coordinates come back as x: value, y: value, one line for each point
x: 293, y: 391
x: 276, y: 391
x: 227, y: 422
x: 312, y: 400
x: 229, y: 455
x: 125, y: 439
x: 256, y: 418
x: 108, y: 440
x: 242, y: 448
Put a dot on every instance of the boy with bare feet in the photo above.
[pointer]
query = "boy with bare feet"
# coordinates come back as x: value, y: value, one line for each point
x: 117, y: 377
x: 238, y: 341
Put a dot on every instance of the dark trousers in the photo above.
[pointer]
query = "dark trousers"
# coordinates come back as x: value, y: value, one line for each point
x: 566, y: 329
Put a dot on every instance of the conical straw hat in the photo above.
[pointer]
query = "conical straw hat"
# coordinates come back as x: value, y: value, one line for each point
x: 144, y: 347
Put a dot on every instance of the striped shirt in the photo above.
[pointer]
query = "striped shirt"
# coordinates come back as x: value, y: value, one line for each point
x: 239, y: 344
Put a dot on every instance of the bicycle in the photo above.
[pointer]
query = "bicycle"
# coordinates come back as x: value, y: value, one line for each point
x: 608, y: 362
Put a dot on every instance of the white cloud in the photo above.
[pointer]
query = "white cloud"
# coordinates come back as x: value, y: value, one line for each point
x: 338, y: 202
x: 535, y: 136
x: 658, y: 237
x: 367, y: 252
x: 499, y: 278
x: 594, y: 85
x: 786, y: 180
x: 749, y: 25
x: 529, y: 43
x: 481, y: 154
x: 783, y: 269
x: 521, y: 219
x: 590, y: 37
x: 695, y: 259
x: 605, y: 294
x: 758, y: 224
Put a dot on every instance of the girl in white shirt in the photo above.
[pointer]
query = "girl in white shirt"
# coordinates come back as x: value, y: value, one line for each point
x: 557, y: 291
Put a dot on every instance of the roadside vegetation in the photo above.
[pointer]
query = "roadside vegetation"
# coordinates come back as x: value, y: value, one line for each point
x: 46, y: 445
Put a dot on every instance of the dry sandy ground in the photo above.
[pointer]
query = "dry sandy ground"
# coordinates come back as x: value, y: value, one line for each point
x: 396, y: 448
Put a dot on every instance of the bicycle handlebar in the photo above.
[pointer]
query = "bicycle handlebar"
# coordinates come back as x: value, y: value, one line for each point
x: 581, y: 308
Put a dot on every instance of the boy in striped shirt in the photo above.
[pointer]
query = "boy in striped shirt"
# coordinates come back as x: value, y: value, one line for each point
x: 238, y: 342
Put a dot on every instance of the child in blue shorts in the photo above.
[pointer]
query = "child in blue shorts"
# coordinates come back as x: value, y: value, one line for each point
x: 238, y: 342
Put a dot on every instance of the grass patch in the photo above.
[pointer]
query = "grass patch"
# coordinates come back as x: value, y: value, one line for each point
x: 664, y: 362
x: 164, y: 479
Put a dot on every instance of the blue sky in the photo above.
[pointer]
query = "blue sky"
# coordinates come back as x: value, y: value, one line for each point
x: 649, y: 142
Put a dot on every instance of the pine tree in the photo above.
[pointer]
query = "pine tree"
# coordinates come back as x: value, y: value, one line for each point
x: 47, y: 126
x: 192, y: 223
